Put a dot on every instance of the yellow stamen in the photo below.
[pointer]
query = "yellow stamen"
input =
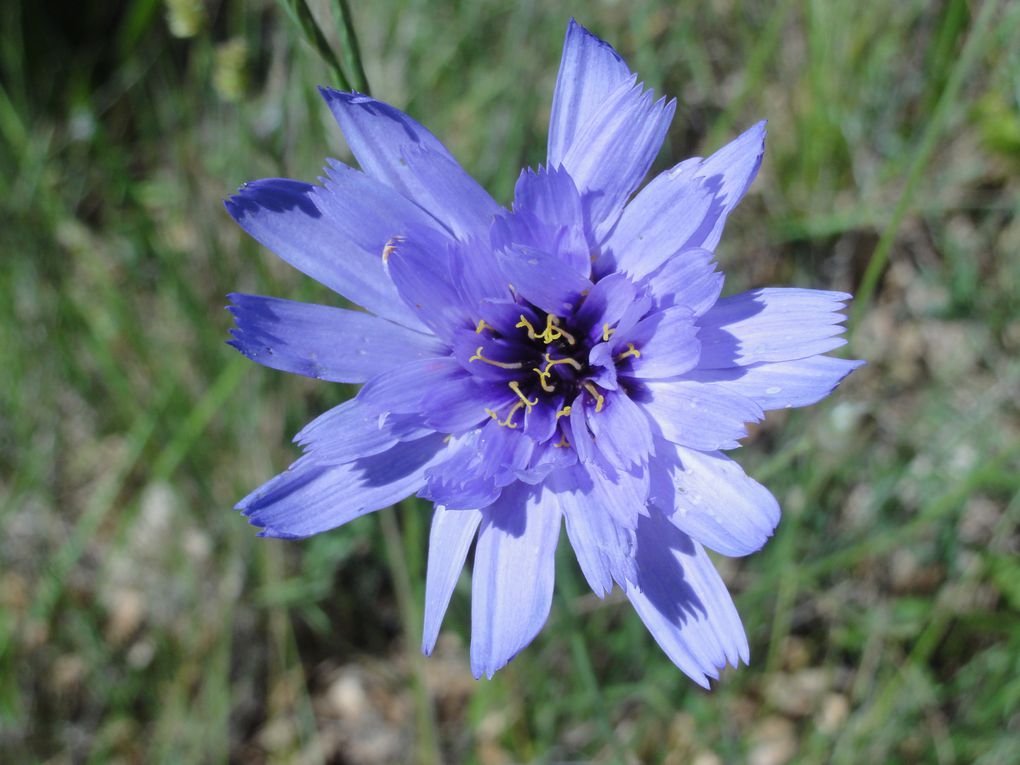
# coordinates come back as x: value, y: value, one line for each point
x: 508, y: 422
x: 516, y: 388
x: 501, y: 364
x: 391, y: 245
x: 526, y: 325
x: 543, y: 375
x: 553, y: 330
x: 564, y: 412
x: 551, y: 362
x: 481, y: 325
x: 599, y: 398
x: 631, y: 351
x: 563, y: 442
x: 449, y: 438
x: 607, y: 332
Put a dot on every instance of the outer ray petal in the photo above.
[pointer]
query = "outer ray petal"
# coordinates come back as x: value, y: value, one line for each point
x: 611, y: 156
x: 683, y: 602
x: 604, y: 548
x: 289, y: 218
x: 699, y: 416
x: 452, y: 533
x: 352, y: 430
x: 320, y: 341
x: 708, y: 496
x: 513, y: 576
x: 589, y: 71
x: 782, y: 384
x: 771, y: 325
x: 309, y: 498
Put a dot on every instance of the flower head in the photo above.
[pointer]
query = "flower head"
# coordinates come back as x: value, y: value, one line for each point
x: 568, y: 359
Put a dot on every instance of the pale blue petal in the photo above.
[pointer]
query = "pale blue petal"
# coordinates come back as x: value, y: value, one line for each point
x: 612, y: 154
x: 449, y: 540
x: 320, y: 341
x: 708, y: 496
x: 783, y: 384
x: 288, y: 217
x: 683, y: 602
x: 309, y: 497
x: 604, y: 548
x: 658, y: 223
x: 729, y: 172
x: 771, y: 325
x: 687, y: 279
x: 514, y: 571
x: 589, y: 71
x: 402, y: 390
x: 699, y: 416
x: 352, y: 430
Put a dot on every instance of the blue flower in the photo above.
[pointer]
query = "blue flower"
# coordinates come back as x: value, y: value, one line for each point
x: 568, y: 359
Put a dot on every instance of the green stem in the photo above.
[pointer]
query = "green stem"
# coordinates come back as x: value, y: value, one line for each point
x: 351, y: 48
x: 301, y: 15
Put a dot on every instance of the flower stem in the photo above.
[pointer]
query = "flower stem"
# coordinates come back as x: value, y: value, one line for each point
x: 301, y: 15
x: 351, y: 49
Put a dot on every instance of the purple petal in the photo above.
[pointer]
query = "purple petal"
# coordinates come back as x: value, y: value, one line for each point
x: 290, y: 218
x: 604, y: 549
x: 512, y: 583
x: 771, y: 325
x: 420, y: 269
x: 449, y: 541
x: 459, y: 404
x: 783, y: 384
x: 708, y: 496
x: 589, y: 71
x: 605, y: 305
x: 548, y: 216
x: 687, y: 279
x: 683, y: 602
x: 668, y: 344
x: 699, y: 416
x: 309, y: 498
x: 621, y: 431
x: 320, y: 341
x: 352, y: 430
x: 612, y: 154
x: 544, y: 280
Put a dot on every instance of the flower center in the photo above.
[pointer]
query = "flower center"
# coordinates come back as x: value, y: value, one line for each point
x: 547, y: 367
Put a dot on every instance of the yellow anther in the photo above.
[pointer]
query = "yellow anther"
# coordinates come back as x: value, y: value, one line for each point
x: 631, y: 351
x: 481, y: 325
x: 516, y: 388
x: 532, y: 335
x: 553, y: 330
x: 391, y: 245
x: 501, y: 364
x: 508, y: 422
x: 564, y: 412
x: 543, y: 376
x: 599, y: 398
x: 449, y: 438
x: 551, y: 362
x: 563, y: 442
x: 607, y: 332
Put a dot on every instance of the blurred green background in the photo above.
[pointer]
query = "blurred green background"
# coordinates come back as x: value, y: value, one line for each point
x: 141, y: 620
